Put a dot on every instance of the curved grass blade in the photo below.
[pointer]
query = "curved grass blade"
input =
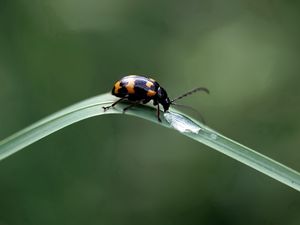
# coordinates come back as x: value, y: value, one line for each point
x: 191, y: 128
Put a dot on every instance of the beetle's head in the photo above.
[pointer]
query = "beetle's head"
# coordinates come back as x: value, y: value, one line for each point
x: 162, y: 98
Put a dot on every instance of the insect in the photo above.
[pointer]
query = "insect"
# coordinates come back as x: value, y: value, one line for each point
x: 141, y: 90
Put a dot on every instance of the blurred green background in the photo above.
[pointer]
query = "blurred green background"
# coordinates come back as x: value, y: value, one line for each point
x: 122, y: 170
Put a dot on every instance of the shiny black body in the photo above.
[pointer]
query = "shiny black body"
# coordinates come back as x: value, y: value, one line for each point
x: 140, y: 90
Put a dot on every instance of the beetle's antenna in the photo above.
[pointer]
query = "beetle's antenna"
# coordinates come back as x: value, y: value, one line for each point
x: 193, y: 109
x: 189, y: 93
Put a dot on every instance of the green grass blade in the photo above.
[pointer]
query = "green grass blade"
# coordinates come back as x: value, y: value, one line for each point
x: 191, y: 128
x: 249, y: 157
x: 80, y: 111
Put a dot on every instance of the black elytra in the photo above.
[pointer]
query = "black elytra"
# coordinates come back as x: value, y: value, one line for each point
x: 140, y: 90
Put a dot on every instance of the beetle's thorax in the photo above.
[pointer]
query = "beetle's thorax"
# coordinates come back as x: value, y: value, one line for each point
x: 163, y: 99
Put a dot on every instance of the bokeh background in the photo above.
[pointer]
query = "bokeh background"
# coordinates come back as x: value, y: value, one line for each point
x: 123, y: 170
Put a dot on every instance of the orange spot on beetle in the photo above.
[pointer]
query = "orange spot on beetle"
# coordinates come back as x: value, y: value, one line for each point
x: 149, y: 84
x: 130, y: 86
x: 117, y: 87
x: 151, y: 93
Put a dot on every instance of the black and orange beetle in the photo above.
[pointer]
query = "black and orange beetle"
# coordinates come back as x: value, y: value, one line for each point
x: 140, y: 90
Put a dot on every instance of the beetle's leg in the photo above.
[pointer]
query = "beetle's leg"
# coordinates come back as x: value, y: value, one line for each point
x: 130, y: 106
x: 158, y: 112
x: 112, y: 105
x: 145, y: 101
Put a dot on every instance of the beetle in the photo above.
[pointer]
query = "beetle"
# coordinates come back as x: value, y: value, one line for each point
x: 141, y: 90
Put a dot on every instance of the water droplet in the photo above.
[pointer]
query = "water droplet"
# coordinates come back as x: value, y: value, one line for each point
x: 181, y: 123
x: 213, y: 136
